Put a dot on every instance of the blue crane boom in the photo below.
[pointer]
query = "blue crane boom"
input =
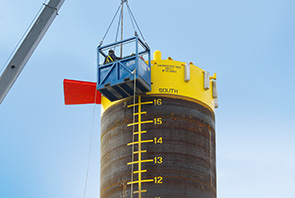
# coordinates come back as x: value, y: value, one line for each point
x: 27, y: 47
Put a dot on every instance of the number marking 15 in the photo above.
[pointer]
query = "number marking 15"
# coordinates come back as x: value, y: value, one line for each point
x: 158, y: 121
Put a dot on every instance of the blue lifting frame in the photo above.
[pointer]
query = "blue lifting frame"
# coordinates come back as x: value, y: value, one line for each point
x: 116, y: 79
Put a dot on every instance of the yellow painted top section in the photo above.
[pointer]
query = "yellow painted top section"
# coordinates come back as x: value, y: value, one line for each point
x: 168, y: 77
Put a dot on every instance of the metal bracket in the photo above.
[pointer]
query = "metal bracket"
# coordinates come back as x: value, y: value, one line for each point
x: 206, y: 80
x: 187, y: 72
x: 216, y: 102
x: 213, y: 77
x: 214, y: 89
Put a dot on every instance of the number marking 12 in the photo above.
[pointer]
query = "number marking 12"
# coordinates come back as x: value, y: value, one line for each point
x: 158, y: 180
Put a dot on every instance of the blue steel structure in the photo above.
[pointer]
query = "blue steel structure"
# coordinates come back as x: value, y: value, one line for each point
x: 116, y: 79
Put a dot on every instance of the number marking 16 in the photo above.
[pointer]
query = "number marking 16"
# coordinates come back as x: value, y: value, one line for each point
x: 158, y: 102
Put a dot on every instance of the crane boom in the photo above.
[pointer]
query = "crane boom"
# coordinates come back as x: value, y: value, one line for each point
x: 27, y: 47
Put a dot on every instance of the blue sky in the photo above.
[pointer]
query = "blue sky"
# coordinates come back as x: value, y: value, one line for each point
x: 249, y: 44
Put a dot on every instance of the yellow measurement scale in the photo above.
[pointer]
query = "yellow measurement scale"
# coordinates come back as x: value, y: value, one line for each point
x: 140, y: 142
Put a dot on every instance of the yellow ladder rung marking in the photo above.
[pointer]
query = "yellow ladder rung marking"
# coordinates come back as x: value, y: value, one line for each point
x: 140, y: 191
x: 143, y: 122
x: 139, y: 132
x: 140, y: 142
x: 132, y: 105
x: 142, y: 161
x: 148, y: 102
x: 143, y: 103
x: 140, y: 113
x: 142, y: 171
x: 141, y: 181
x: 136, y: 152
x: 148, y: 180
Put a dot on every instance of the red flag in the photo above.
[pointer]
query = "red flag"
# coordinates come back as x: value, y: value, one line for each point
x: 81, y: 92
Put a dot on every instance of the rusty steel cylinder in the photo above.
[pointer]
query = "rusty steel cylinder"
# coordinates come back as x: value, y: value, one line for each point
x: 178, y: 139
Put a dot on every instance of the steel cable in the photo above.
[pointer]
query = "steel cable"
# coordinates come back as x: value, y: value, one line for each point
x: 135, y: 21
x: 90, y: 146
x: 132, y: 21
x: 110, y: 25
x: 118, y: 27
x: 133, y: 130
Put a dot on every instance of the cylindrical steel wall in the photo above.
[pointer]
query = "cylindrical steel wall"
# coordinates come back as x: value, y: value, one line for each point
x: 173, y: 152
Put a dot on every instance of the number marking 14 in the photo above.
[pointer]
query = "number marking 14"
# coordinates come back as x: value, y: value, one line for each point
x: 158, y: 140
